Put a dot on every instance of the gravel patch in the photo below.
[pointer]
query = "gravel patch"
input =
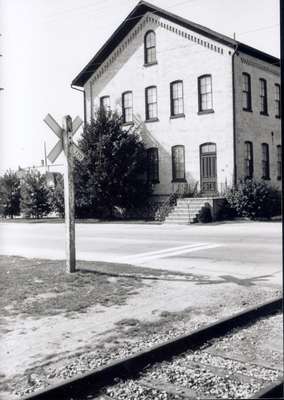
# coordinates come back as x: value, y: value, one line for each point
x: 192, y: 370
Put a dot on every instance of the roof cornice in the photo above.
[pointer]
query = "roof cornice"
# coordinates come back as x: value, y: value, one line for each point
x: 136, y: 15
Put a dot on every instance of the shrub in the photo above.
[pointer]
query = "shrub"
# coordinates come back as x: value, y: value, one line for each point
x: 205, y: 215
x: 255, y: 199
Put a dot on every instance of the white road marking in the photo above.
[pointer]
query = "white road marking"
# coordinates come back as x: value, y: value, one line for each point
x: 170, y: 252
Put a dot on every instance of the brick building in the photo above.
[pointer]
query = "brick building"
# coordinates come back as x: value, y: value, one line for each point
x: 208, y: 106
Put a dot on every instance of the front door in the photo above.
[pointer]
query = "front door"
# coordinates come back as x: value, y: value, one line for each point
x: 208, y: 169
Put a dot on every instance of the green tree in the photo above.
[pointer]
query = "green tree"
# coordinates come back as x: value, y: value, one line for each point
x: 10, y: 194
x: 35, y: 195
x: 113, y: 172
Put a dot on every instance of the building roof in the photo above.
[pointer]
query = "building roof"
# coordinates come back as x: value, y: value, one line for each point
x: 136, y: 15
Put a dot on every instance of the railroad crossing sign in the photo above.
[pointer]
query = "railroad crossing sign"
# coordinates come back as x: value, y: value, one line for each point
x: 66, y: 144
x: 57, y: 149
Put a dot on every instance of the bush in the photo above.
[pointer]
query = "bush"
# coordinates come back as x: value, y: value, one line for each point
x: 255, y: 199
x: 205, y: 215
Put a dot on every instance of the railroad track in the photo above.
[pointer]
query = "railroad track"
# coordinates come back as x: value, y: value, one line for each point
x: 192, y: 366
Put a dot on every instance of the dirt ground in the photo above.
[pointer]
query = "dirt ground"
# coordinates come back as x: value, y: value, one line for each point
x: 55, y: 325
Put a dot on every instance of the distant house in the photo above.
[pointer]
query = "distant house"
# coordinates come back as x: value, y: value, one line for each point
x: 208, y: 106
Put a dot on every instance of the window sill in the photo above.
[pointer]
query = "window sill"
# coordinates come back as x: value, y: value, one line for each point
x: 152, y: 120
x: 211, y: 111
x: 177, y: 116
x: 128, y: 123
x: 264, y: 114
x: 150, y: 64
x: 179, y: 181
x: 247, y: 110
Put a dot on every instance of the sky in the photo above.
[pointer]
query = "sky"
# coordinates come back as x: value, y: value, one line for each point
x: 46, y: 43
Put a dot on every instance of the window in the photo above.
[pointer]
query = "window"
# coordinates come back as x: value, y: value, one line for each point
x: 178, y: 162
x: 205, y: 93
x: 177, y: 98
x: 151, y: 103
x: 246, y: 92
x: 150, y: 48
x: 127, y: 107
x: 248, y: 160
x: 265, y: 161
x: 153, y: 165
x: 105, y: 103
x: 263, y: 96
x: 279, y: 162
x: 277, y: 101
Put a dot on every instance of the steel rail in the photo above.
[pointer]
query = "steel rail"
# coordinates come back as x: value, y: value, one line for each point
x: 79, y: 387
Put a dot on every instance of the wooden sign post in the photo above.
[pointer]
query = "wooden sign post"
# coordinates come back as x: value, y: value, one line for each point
x: 69, y: 199
x: 66, y: 143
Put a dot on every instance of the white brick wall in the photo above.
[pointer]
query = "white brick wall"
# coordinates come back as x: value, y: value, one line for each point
x: 179, y: 58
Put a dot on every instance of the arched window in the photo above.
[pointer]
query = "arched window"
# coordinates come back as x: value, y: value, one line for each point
x: 178, y: 163
x: 105, y: 103
x: 177, y: 98
x: 263, y: 96
x: 248, y: 160
x: 205, y: 98
x: 151, y: 110
x: 153, y: 165
x: 127, y: 107
x: 265, y: 161
x: 246, y: 92
x: 277, y: 101
x: 150, y: 48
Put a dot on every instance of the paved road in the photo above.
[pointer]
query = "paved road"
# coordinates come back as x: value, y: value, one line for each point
x: 240, y: 250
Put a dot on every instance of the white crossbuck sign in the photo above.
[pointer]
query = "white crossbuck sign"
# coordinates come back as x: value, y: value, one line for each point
x: 57, y: 149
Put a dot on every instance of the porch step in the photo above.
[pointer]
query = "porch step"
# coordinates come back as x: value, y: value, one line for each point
x: 186, y: 211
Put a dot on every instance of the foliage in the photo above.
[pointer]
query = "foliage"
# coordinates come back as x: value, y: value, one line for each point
x: 9, y: 194
x: 113, y: 172
x: 35, y: 195
x: 57, y: 195
x: 205, y: 215
x: 226, y: 212
x: 255, y: 199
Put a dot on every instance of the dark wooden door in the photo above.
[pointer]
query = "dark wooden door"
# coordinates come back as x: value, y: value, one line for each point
x: 208, y: 169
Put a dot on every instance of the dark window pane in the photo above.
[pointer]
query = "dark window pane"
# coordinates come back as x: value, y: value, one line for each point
x: 178, y: 163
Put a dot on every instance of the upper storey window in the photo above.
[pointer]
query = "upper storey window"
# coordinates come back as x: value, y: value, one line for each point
x: 205, y: 99
x: 277, y: 101
x: 177, y: 99
x: 263, y: 96
x: 151, y: 103
x: 127, y: 107
x: 246, y: 92
x: 150, y: 48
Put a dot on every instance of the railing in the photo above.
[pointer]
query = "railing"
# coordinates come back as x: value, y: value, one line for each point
x: 166, y: 207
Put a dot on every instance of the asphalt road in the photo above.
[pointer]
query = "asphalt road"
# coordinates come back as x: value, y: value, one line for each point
x: 248, y: 251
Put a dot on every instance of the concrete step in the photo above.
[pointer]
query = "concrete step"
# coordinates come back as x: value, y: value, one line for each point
x: 174, y: 222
